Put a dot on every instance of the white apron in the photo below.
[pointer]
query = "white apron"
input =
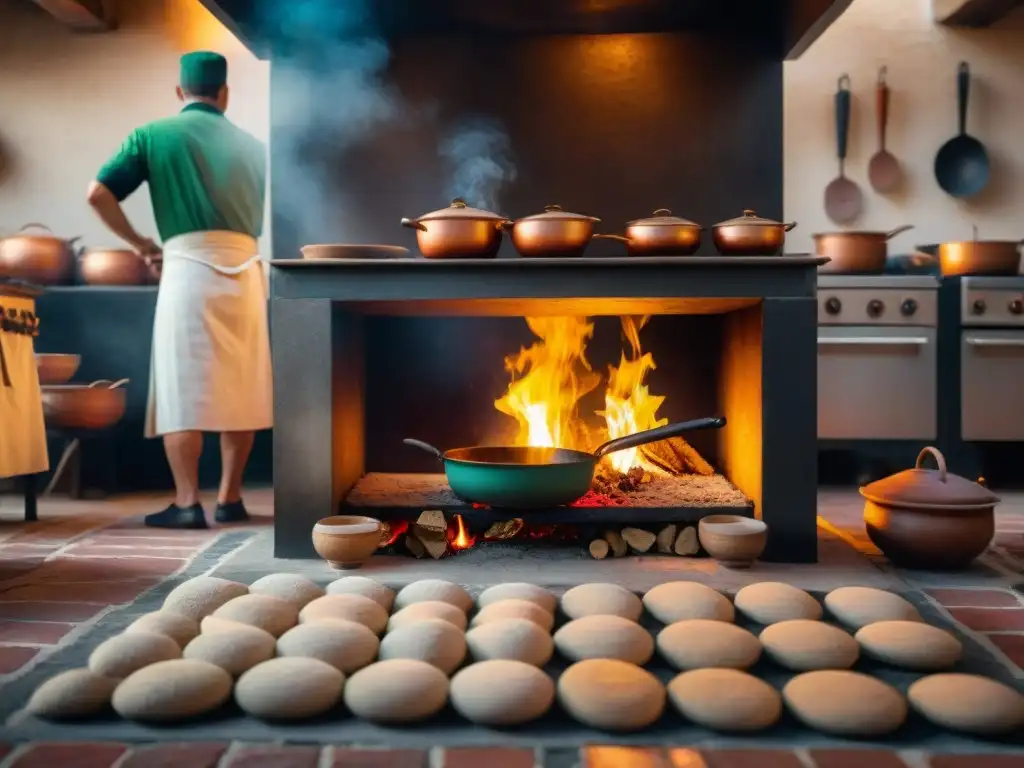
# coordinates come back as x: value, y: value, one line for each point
x: 210, y: 368
x: 22, y: 431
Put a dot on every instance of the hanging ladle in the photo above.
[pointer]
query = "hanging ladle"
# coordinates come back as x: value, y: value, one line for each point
x: 843, y: 199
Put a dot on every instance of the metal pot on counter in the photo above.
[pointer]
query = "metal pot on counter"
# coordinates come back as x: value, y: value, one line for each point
x: 114, y: 266
x: 855, y: 253
x: 458, y: 232
x: 976, y: 257
x: 37, y: 258
x: 750, y: 235
x: 660, y: 234
x: 553, y: 233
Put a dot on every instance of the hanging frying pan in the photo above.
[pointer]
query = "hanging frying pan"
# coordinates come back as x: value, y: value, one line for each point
x: 962, y: 165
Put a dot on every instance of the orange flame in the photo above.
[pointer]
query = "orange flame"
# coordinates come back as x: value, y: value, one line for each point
x: 462, y: 539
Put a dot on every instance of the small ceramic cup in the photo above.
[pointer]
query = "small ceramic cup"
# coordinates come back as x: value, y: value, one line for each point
x: 346, y: 541
x: 733, y: 540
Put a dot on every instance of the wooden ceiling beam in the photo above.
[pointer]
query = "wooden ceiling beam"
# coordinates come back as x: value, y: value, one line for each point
x: 972, y: 13
x: 81, y: 15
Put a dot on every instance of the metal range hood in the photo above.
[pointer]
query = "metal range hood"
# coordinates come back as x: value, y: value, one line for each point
x: 786, y: 27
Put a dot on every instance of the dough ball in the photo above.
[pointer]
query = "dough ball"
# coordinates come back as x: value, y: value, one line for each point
x: 910, y: 644
x: 969, y: 704
x: 271, y: 614
x: 289, y: 689
x: 431, y: 609
x: 350, y: 607
x: 700, y: 643
x: 345, y: 645
x: 682, y: 600
x: 234, y: 650
x: 844, y: 703
x: 803, y: 645
x: 725, y: 700
x: 611, y: 695
x: 297, y: 590
x: 856, y: 607
x: 365, y: 587
x: 434, y: 589
x: 502, y: 693
x: 605, y: 637
x: 601, y: 600
x: 434, y: 641
x: 512, y: 639
x: 769, y: 602
x: 172, y: 691
x: 514, y: 608
x: 122, y: 654
x: 72, y: 694
x: 397, y: 691
x: 201, y: 596
x: 518, y: 591
x: 181, y: 629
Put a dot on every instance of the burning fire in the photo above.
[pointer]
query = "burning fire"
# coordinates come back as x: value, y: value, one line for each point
x: 461, y: 539
x: 551, y: 376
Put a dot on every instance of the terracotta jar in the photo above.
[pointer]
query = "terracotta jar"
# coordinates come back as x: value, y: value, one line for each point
x: 929, y: 518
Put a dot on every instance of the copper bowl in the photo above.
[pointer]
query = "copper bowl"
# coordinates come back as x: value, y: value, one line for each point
x: 84, y: 406
x: 113, y: 266
x: 733, y: 540
x: 56, y: 369
x: 36, y: 258
x: 346, y: 541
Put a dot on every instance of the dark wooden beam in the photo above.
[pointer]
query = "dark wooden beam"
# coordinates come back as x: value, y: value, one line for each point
x: 806, y: 22
x: 232, y: 14
x: 972, y: 13
x: 81, y: 15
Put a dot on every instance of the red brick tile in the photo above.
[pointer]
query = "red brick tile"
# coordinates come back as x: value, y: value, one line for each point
x: 69, y: 612
x: 103, y: 593
x: 134, y: 550
x: 193, y: 755
x: 70, y: 755
x: 273, y: 756
x: 379, y: 758
x: 14, y: 657
x: 977, y: 761
x: 85, y: 569
x: 622, y: 757
x: 975, y: 598
x: 26, y: 550
x: 856, y: 758
x: 750, y: 758
x: 1012, y: 646
x: 990, y: 619
x: 492, y: 758
x: 685, y: 758
x: 36, y: 632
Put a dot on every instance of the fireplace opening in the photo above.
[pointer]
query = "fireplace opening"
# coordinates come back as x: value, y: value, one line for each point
x: 570, y: 382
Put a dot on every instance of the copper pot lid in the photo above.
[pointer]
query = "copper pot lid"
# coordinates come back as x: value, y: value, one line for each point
x: 662, y: 218
x: 748, y: 219
x: 556, y: 213
x: 920, y: 487
x: 459, y: 210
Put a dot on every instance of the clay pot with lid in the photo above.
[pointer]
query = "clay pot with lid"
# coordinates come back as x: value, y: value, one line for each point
x: 553, y: 233
x: 750, y: 235
x: 929, y: 518
x: 458, y: 232
x: 660, y: 234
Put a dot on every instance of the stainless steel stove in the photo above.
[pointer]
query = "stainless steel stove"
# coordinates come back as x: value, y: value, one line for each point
x: 877, y: 357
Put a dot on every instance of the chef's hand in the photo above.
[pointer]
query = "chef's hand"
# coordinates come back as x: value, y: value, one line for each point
x: 148, y: 249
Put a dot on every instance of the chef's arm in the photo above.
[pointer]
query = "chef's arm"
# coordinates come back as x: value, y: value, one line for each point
x: 110, y: 212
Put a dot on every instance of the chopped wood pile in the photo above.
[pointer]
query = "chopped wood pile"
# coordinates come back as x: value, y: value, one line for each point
x: 670, y: 539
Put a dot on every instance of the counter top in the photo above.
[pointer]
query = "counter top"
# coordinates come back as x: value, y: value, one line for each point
x: 677, y: 262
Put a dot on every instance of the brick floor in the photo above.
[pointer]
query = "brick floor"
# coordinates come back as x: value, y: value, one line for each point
x: 69, y: 755
x: 749, y: 758
x: 491, y: 758
x: 380, y: 758
x: 197, y: 755
x: 855, y: 758
x: 1012, y: 646
x: 33, y: 632
x: 14, y: 657
x: 975, y: 598
x: 273, y: 756
x: 35, y: 611
x: 990, y: 619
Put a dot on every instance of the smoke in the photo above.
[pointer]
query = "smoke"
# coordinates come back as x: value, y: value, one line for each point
x: 330, y: 95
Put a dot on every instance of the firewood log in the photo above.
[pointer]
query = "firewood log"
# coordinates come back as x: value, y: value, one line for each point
x: 638, y: 539
x: 666, y: 538
x: 599, y: 549
x: 615, y: 541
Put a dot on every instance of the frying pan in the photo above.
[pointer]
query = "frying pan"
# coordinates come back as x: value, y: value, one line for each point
x: 961, y: 165
x: 536, y: 478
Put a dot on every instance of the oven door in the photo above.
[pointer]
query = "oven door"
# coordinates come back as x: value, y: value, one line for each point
x: 877, y: 383
x: 991, y: 391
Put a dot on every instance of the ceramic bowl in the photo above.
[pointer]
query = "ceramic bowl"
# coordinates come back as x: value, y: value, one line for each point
x: 346, y: 541
x: 734, y: 541
x: 56, y: 369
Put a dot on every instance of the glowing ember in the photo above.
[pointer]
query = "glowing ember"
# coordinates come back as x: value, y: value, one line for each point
x: 462, y: 539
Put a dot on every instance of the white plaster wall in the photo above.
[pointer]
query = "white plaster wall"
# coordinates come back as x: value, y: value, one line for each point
x: 67, y: 101
x: 921, y: 58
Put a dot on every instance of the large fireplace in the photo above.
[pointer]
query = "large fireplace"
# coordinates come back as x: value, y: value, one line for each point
x: 389, y: 109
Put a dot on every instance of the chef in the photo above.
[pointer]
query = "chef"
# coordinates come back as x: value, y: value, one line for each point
x: 210, y: 367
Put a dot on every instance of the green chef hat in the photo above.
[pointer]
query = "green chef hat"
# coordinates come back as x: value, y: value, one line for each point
x: 203, y: 71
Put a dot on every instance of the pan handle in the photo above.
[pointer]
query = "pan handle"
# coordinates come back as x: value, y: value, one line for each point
x: 898, y: 231
x: 411, y: 224
x: 658, y: 433
x: 618, y: 238
x: 963, y: 93
x: 424, y: 447
x: 842, y: 100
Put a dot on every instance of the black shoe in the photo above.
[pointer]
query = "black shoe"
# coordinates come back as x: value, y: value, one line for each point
x: 232, y: 512
x: 182, y: 518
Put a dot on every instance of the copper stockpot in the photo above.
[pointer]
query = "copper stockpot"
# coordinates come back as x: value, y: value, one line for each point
x: 37, y: 258
x: 458, y: 232
x: 750, y: 235
x: 84, y: 406
x: 855, y: 253
x: 114, y: 266
x: 980, y: 257
x: 661, y: 234
x: 553, y: 233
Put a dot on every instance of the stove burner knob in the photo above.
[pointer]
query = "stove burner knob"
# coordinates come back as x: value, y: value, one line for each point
x: 908, y: 307
x: 833, y: 306
x: 875, y: 308
x: 1016, y: 307
x: 979, y: 307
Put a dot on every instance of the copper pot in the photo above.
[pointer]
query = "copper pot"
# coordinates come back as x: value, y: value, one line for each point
x: 750, y: 235
x: 56, y: 369
x: 929, y: 518
x: 114, y: 266
x: 980, y: 257
x: 38, y: 258
x: 855, y: 253
x: 662, y: 234
x: 84, y: 406
x: 458, y: 232
x: 553, y: 233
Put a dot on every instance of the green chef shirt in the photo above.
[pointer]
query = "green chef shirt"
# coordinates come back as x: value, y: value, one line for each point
x: 204, y: 173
